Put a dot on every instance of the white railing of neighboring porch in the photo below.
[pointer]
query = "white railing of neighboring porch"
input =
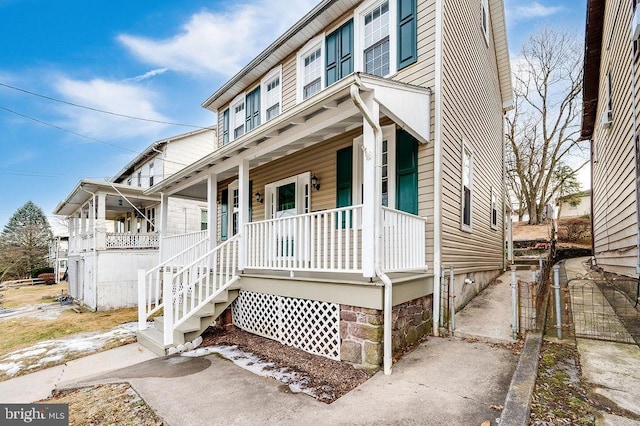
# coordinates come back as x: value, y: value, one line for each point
x: 128, y: 240
x: 199, y: 283
x: 174, y: 244
x: 328, y: 241
x: 150, y: 296
x: 81, y: 242
x: 403, y: 241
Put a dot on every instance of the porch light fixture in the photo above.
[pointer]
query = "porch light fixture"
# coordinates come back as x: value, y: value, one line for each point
x: 315, y: 182
x: 259, y: 198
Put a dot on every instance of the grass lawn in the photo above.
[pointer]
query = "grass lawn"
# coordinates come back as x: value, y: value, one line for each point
x: 22, y: 331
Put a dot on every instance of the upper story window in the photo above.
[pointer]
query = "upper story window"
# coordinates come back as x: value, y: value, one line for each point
x: 139, y: 178
x: 129, y: 181
x: 312, y: 73
x: 485, y: 19
x: 271, y: 88
x: 494, y: 209
x: 467, y: 187
x: 376, y: 41
x: 237, y: 117
x: 151, y: 173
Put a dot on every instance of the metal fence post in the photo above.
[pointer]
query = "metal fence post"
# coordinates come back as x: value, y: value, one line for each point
x: 441, y: 293
x: 452, y: 301
x: 556, y: 288
x: 514, y: 302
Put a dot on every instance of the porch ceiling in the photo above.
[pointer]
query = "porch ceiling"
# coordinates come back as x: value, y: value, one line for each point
x: 328, y: 114
x: 116, y: 198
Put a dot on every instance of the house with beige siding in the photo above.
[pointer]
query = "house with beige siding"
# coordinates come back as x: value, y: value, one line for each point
x: 112, y: 224
x: 610, y: 120
x: 360, y: 153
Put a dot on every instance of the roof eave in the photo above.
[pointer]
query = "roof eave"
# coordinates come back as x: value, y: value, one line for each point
x: 592, y: 56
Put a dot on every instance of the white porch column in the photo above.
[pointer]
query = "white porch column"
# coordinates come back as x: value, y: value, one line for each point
x: 100, y: 223
x: 370, y: 190
x: 83, y: 221
x: 212, y: 210
x: 243, y: 213
x: 162, y: 228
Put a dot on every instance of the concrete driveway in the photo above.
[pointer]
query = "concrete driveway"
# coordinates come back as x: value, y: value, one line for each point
x: 445, y: 381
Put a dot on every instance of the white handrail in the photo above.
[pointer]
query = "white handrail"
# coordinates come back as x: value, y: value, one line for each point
x: 403, y: 241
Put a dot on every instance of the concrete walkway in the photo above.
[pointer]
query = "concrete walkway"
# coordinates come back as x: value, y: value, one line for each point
x: 38, y: 385
x: 613, y: 369
x: 488, y: 316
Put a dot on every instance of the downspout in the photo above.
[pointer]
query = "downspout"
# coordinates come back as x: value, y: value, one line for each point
x: 373, y: 122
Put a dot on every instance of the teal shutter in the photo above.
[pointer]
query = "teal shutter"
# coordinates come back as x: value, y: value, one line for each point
x: 252, y: 109
x: 224, y: 214
x: 250, y: 219
x: 225, y: 127
x: 344, y: 171
x: 407, y: 33
x: 339, y: 53
x: 406, y: 172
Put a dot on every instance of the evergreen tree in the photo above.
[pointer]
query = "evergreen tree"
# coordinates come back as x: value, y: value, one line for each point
x: 24, y: 242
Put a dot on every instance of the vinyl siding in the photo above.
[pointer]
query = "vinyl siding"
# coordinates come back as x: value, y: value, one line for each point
x: 180, y: 153
x: 471, y: 109
x: 614, y: 174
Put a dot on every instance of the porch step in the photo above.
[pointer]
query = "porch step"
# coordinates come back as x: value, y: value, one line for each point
x: 153, y: 338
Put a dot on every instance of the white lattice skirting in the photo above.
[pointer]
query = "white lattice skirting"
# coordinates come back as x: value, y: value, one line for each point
x: 309, y: 325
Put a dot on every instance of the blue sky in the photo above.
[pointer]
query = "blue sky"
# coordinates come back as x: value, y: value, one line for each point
x: 152, y: 59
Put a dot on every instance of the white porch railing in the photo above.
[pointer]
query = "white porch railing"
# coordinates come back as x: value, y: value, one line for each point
x: 81, y: 242
x: 150, y: 296
x: 199, y: 283
x: 328, y: 241
x: 126, y: 240
x: 403, y: 241
x: 175, y: 244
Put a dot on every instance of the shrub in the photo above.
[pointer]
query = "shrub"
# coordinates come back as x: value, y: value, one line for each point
x: 48, y: 278
x: 574, y: 229
x: 46, y: 270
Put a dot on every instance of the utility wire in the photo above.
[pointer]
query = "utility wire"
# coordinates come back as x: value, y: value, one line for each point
x: 101, y: 110
x: 65, y: 130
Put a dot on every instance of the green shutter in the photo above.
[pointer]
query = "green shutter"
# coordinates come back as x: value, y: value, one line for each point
x: 225, y: 127
x: 407, y: 33
x: 344, y: 171
x: 339, y: 53
x: 406, y: 172
x: 252, y: 109
x: 250, y: 218
x: 224, y: 214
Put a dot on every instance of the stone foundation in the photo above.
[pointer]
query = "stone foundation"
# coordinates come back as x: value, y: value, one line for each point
x: 361, y: 330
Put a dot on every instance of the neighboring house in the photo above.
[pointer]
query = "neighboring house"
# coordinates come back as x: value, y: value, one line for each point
x: 58, y: 255
x: 610, y: 120
x: 358, y: 154
x: 575, y: 205
x: 112, y: 224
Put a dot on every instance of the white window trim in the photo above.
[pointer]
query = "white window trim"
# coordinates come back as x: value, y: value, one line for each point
x: 485, y: 6
x: 301, y: 180
x: 232, y: 114
x: 276, y: 72
x: 388, y: 134
x: 493, y: 194
x: 358, y: 35
x: 466, y: 147
x: 311, y: 45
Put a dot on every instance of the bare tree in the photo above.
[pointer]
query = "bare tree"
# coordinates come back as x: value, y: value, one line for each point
x: 544, y: 127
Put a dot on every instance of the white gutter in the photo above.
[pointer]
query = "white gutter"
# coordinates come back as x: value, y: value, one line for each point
x: 377, y: 131
x: 437, y: 171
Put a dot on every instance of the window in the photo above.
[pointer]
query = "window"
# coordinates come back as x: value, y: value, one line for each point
x: 494, y: 209
x: 467, y: 185
x: 484, y: 16
x: 237, y: 118
x: 225, y: 127
x: 287, y: 197
x: 129, y: 181
x: 139, y: 179
x: 151, y: 173
x: 375, y: 37
x: 253, y: 109
x: 271, y: 89
x: 310, y: 68
x: 151, y: 219
x: 204, y: 219
x: 339, y: 53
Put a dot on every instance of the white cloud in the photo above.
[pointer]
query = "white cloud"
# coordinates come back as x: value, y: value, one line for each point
x: 120, y: 97
x: 518, y: 11
x: 147, y: 75
x: 219, y: 42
